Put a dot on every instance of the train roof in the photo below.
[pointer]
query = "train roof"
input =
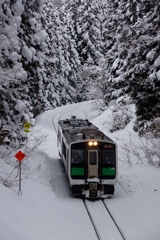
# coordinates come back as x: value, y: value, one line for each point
x: 74, y: 122
x: 80, y: 130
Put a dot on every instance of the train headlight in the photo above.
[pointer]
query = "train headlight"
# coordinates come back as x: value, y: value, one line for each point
x: 92, y: 143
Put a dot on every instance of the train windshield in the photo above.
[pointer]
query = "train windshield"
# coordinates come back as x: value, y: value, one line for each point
x: 77, y: 156
x: 108, y: 157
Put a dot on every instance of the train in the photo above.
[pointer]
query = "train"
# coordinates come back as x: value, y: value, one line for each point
x: 89, y: 158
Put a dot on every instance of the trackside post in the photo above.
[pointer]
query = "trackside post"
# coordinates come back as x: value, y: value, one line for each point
x: 20, y: 156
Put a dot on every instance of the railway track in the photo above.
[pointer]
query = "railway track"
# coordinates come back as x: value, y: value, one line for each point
x: 107, y: 215
x: 58, y: 116
x: 103, y: 223
x: 68, y: 113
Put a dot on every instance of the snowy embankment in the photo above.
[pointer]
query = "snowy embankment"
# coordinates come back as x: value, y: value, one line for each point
x: 46, y: 209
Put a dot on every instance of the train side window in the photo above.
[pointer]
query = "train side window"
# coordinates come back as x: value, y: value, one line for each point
x: 59, y: 136
x: 64, y: 149
x: 77, y: 156
x: 108, y: 156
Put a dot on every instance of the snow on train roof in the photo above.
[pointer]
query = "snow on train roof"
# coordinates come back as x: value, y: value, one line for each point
x: 74, y: 122
x: 79, y: 129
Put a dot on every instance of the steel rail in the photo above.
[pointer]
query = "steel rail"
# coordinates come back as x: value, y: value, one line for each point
x: 60, y: 115
x: 98, y: 233
x: 120, y: 231
x: 94, y: 226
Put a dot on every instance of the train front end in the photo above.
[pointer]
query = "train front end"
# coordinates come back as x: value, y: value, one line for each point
x: 93, y: 168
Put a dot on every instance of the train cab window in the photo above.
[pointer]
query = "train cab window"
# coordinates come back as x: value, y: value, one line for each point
x: 108, y: 157
x: 77, y: 156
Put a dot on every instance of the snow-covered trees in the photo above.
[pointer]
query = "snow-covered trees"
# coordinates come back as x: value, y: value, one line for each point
x: 125, y: 35
x: 144, y: 81
x: 132, y: 58
x: 88, y: 19
x: 21, y: 51
x: 11, y: 70
x: 32, y: 39
x: 62, y: 60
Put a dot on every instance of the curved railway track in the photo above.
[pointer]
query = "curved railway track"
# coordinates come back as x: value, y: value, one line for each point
x: 58, y: 117
x: 118, y: 219
x: 103, y: 222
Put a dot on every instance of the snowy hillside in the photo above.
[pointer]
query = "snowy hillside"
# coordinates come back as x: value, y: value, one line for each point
x: 54, y: 53
x: 47, y: 210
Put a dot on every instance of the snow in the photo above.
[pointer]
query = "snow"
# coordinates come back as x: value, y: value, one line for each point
x: 18, y: 7
x: 158, y: 75
x: 20, y: 106
x: 21, y: 74
x: 2, y: 1
x: 18, y: 20
x: 115, y: 64
x: 150, y: 55
x: 104, y: 222
x: 14, y: 56
x: 27, y: 53
x: 157, y: 62
x: 42, y: 35
x: 152, y: 76
x: 47, y: 210
x: 33, y: 23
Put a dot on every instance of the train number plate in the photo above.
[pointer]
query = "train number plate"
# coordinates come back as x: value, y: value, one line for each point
x: 93, y: 186
x: 93, y: 190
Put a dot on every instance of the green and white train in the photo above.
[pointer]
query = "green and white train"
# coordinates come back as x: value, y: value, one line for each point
x: 89, y: 158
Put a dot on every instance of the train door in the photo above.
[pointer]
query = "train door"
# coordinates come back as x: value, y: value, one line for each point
x: 92, y: 163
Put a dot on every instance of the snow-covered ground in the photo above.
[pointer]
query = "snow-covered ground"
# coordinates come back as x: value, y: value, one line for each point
x: 46, y: 209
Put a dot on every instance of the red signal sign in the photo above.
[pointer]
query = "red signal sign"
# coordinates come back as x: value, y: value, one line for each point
x: 20, y: 156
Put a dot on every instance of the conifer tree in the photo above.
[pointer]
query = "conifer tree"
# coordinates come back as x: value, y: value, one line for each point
x: 32, y: 38
x: 12, y: 91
